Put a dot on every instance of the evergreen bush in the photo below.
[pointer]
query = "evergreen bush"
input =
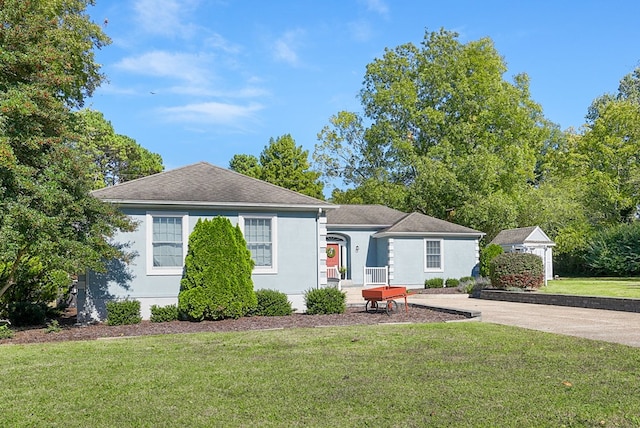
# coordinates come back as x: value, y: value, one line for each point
x: 434, y: 283
x: 123, y: 312
x: 451, y: 282
x: 27, y: 313
x: 327, y: 300
x: 615, y: 251
x: 517, y: 270
x: 487, y: 254
x: 164, y: 313
x: 272, y: 303
x: 5, y: 332
x: 216, y: 282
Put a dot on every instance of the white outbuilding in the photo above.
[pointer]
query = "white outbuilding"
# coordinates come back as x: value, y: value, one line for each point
x: 528, y: 240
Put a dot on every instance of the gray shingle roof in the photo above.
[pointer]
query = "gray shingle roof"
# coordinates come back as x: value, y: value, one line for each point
x: 205, y: 184
x: 364, y: 215
x: 393, y: 222
x: 517, y: 236
x: 417, y: 223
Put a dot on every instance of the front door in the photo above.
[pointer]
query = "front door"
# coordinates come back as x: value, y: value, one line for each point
x: 333, y: 255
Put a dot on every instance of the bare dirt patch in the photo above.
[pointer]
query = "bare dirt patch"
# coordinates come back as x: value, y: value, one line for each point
x: 355, y: 315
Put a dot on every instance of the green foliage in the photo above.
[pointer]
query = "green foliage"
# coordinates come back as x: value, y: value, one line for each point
x: 164, y: 313
x: 284, y: 164
x: 451, y: 282
x: 217, y: 275
x: 123, y: 312
x: 5, y: 332
x: 446, y: 132
x: 434, y: 283
x: 27, y: 313
x: 272, y: 303
x: 111, y: 158
x: 487, y: 254
x: 615, y: 251
x: 328, y: 300
x: 53, y: 327
x: 517, y: 270
x: 47, y: 69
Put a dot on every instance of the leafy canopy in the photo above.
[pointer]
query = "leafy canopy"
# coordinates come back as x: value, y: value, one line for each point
x: 282, y: 163
x: 47, y: 68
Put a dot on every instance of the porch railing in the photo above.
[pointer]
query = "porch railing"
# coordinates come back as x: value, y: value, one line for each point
x: 333, y: 277
x: 376, y: 276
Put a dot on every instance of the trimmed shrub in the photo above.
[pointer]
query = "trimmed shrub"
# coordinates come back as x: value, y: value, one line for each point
x: 164, y: 313
x: 327, y: 300
x: 466, y: 284
x: 27, y: 313
x: 272, y: 303
x: 467, y: 279
x: 123, y: 312
x: 434, y: 283
x: 487, y: 254
x: 5, y: 332
x: 451, y: 282
x: 217, y: 280
x: 518, y: 270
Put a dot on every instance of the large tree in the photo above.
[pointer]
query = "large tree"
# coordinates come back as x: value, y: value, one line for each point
x: 112, y: 158
x: 446, y: 130
x: 47, y: 68
x: 282, y: 163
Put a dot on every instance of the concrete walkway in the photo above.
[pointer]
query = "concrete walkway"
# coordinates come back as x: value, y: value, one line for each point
x: 597, y: 324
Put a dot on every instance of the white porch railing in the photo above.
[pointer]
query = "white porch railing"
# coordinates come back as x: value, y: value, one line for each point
x: 376, y: 276
x: 333, y: 277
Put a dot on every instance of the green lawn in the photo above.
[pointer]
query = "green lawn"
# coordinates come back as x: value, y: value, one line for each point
x: 454, y: 374
x: 606, y: 287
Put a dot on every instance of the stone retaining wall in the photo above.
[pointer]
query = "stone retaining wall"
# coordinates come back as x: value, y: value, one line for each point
x: 592, y: 302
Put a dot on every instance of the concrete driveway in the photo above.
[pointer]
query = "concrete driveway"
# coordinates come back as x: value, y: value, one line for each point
x: 597, y: 324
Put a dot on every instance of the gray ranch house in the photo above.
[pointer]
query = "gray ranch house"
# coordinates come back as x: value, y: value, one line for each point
x: 297, y: 242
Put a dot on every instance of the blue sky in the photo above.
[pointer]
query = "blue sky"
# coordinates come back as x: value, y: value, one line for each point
x: 202, y: 80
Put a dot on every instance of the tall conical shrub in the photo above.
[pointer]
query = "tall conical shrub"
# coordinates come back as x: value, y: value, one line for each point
x: 216, y: 282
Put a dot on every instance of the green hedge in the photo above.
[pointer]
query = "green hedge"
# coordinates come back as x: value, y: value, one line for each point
x: 327, y: 300
x: 487, y: 254
x: 517, y: 270
x: 434, y: 283
x: 27, y: 313
x: 164, y: 313
x: 272, y: 303
x: 123, y: 312
x: 451, y: 282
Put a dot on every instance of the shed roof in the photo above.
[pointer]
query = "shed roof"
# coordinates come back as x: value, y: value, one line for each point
x: 522, y: 235
x: 205, y: 184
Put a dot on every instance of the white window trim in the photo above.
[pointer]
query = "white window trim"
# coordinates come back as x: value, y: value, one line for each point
x: 273, y: 269
x: 155, y: 270
x: 424, y: 255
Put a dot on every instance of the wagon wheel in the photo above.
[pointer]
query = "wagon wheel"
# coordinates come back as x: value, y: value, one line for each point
x: 371, y: 306
x: 392, y: 307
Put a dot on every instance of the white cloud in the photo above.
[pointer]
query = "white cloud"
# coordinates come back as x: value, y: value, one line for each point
x: 377, y: 6
x: 284, y: 48
x: 182, y: 66
x: 165, y: 17
x: 213, y: 113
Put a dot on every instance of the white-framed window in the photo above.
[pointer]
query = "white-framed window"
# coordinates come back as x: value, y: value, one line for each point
x: 167, y: 241
x: 433, y: 255
x: 261, y: 231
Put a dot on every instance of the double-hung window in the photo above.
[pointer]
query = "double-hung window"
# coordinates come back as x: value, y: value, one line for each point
x: 167, y: 238
x: 260, y: 232
x: 433, y: 258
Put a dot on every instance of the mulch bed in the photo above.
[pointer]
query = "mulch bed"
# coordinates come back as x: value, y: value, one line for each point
x: 355, y: 315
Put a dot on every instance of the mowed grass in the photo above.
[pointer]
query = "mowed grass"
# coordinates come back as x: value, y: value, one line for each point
x: 455, y: 374
x: 605, y: 287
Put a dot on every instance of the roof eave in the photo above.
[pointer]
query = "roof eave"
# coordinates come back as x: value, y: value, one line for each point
x: 201, y: 204
x: 418, y: 234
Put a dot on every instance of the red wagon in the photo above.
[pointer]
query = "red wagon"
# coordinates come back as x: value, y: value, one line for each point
x: 386, y: 294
